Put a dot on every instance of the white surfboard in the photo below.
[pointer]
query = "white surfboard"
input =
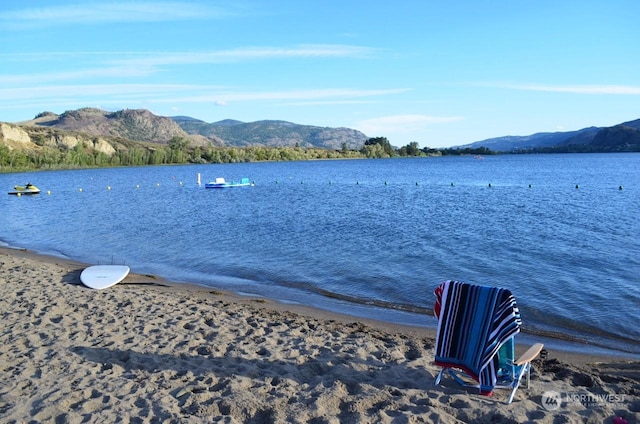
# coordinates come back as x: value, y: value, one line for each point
x: 102, y: 276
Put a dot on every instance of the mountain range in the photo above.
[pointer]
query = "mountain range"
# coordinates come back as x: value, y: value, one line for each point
x: 621, y: 137
x: 143, y: 126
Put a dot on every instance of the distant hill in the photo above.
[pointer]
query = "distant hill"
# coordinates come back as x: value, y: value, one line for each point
x: 273, y: 133
x: 621, y: 137
x: 142, y: 125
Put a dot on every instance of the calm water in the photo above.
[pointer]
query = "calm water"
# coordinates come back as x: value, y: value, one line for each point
x: 368, y: 237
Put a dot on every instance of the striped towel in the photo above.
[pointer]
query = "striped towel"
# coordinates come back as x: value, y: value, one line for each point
x: 473, y: 322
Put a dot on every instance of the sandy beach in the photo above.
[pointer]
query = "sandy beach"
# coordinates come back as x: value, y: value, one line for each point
x: 151, y: 351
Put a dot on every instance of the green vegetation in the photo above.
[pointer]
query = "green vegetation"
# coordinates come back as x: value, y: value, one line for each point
x: 477, y: 151
x: 176, y: 152
x: 179, y: 151
x: 378, y: 147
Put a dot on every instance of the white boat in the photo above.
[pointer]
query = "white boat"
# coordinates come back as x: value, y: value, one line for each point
x: 221, y: 183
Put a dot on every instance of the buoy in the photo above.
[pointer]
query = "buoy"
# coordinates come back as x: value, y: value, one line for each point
x: 137, y: 186
x: 108, y: 187
x: 157, y: 184
x: 48, y: 191
x: 577, y: 186
x: 357, y: 182
x: 416, y: 183
x: 489, y: 185
x: 620, y: 188
x: 80, y: 190
x: 385, y: 183
x: 529, y: 185
x: 451, y: 184
x: 18, y: 194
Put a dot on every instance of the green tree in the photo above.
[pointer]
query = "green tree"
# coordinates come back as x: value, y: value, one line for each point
x: 373, y: 151
x: 410, y: 149
x: 384, y: 143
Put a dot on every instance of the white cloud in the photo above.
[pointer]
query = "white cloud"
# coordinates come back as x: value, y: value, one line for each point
x: 575, y: 89
x: 140, y: 64
x: 170, y: 93
x: 402, y: 124
x: 328, y: 102
x: 311, y: 94
x: 107, y: 12
x: 107, y: 90
x: 240, y: 54
x: 78, y: 74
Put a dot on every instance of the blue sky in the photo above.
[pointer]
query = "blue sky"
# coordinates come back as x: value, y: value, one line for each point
x: 441, y: 73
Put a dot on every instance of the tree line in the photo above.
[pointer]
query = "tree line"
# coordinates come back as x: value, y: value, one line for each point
x: 179, y: 151
x: 380, y: 147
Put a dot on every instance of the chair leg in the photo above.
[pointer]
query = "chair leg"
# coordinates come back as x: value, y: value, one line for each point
x: 439, y: 377
x: 516, y: 381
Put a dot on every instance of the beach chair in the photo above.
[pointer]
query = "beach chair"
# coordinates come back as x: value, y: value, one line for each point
x: 475, y: 337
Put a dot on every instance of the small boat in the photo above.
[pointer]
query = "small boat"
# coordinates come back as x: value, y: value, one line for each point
x: 25, y: 189
x: 221, y: 183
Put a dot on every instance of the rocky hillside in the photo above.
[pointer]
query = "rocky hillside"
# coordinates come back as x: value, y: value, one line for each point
x: 142, y: 125
x: 136, y: 125
x: 273, y: 133
x: 36, y: 139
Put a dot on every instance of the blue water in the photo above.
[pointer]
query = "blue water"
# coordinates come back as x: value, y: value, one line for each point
x: 370, y: 238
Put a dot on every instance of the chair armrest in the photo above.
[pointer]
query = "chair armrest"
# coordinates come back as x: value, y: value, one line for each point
x: 530, y: 354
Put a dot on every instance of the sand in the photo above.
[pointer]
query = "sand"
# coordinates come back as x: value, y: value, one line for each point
x: 150, y: 351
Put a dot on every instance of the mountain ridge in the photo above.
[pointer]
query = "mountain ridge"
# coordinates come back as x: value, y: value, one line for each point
x: 275, y: 133
x: 144, y: 126
x: 622, y: 137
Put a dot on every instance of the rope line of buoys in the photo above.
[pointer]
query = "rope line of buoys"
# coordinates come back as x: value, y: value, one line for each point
x: 331, y: 182
x: 418, y: 184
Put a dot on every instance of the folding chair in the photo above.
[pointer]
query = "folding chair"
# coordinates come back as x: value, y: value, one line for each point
x: 475, y: 338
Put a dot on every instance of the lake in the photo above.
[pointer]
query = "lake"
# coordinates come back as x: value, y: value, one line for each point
x: 371, y: 238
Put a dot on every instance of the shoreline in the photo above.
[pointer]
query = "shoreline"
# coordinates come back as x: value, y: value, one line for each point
x: 176, y: 352
x: 563, y: 349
